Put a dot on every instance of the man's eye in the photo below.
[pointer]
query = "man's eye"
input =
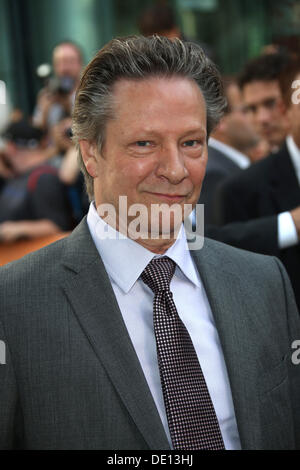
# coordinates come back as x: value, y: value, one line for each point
x: 191, y: 143
x: 270, y: 103
x: 250, y: 109
x: 143, y: 143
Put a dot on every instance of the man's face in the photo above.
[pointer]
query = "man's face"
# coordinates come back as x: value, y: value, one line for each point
x: 239, y: 129
x: 155, y: 147
x: 265, y: 107
x: 66, y: 61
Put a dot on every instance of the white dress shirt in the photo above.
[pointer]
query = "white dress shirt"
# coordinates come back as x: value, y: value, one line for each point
x: 125, y: 260
x: 287, y: 233
x: 294, y: 152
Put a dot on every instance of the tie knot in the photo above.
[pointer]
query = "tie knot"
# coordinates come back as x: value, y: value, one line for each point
x: 158, y: 274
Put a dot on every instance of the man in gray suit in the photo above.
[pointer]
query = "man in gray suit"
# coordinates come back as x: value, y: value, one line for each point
x: 89, y: 361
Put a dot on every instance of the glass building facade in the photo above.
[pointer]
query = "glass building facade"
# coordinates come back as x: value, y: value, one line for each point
x: 234, y: 30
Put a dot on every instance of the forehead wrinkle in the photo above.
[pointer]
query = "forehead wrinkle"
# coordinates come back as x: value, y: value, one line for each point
x: 150, y: 116
x: 140, y: 132
x: 123, y: 88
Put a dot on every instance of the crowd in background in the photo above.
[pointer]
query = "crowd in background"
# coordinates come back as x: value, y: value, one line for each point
x: 41, y: 187
x: 253, y: 171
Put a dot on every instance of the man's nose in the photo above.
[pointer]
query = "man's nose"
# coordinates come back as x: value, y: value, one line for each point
x: 172, y: 164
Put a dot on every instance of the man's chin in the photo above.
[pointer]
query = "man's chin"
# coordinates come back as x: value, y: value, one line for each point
x: 154, y: 229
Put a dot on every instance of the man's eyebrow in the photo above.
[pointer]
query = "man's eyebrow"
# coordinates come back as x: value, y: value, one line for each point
x: 270, y: 100
x: 197, y: 130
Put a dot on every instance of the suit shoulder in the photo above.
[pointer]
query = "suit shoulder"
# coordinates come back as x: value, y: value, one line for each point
x: 218, y: 161
x: 261, y: 276
x: 33, y: 264
x: 237, y: 260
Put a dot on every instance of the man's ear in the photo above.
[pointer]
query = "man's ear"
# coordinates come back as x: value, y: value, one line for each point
x: 223, y: 124
x: 221, y: 127
x: 89, y: 155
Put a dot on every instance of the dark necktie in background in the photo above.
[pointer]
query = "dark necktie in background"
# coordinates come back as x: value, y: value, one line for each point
x: 192, y: 420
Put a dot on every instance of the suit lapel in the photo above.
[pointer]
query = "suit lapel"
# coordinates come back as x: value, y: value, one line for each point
x: 218, y: 159
x: 90, y: 293
x: 226, y: 297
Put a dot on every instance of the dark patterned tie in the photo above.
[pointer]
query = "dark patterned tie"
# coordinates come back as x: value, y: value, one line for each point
x: 191, y: 416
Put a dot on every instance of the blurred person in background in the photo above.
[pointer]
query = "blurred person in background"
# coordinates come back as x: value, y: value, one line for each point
x: 68, y: 169
x: 33, y: 201
x: 160, y: 19
x: 53, y: 114
x: 272, y: 186
x: 244, y: 136
x: 228, y: 147
x: 70, y: 175
x: 260, y: 234
x: 55, y: 101
x: 259, y: 83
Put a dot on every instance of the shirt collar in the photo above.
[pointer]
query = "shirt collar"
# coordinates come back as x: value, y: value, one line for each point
x: 237, y: 157
x: 294, y: 152
x: 125, y: 259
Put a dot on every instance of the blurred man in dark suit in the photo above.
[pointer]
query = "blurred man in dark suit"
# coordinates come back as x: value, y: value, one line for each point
x: 272, y: 186
x: 227, y: 147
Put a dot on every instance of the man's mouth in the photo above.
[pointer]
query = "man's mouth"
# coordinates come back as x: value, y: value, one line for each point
x: 169, y: 197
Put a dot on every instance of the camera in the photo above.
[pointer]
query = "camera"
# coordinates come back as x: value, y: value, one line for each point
x: 61, y: 86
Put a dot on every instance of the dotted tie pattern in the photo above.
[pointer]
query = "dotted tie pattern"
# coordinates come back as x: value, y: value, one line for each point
x: 191, y: 416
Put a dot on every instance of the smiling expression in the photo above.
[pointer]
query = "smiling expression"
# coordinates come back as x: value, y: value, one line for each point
x: 155, y: 148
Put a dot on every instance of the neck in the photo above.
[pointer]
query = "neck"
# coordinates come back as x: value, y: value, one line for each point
x: 156, y: 235
x: 157, y: 242
x: 158, y: 247
x: 221, y: 138
x: 153, y: 239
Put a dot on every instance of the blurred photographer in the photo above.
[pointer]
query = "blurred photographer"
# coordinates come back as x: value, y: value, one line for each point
x: 56, y: 99
x: 33, y: 200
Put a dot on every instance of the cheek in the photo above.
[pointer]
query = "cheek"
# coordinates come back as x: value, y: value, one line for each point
x: 252, y: 119
x: 276, y: 113
x: 197, y: 170
x: 295, y: 118
x: 135, y: 172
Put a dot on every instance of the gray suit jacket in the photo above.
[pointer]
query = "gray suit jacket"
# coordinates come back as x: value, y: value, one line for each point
x: 72, y: 379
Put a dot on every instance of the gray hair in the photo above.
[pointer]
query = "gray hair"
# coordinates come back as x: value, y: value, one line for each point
x: 138, y: 57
